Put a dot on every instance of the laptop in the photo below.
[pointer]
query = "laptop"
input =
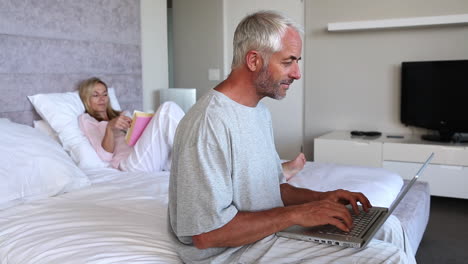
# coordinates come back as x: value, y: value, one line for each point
x: 365, y: 225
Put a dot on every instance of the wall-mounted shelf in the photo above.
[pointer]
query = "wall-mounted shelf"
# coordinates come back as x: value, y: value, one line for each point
x: 399, y: 22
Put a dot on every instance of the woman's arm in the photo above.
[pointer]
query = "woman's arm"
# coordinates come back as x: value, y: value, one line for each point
x: 94, y: 132
x: 116, y: 125
x: 108, y: 142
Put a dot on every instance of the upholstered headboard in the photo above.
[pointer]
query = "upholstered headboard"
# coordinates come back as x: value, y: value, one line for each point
x: 49, y: 46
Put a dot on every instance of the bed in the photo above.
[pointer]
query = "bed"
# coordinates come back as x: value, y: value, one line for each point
x: 61, y: 205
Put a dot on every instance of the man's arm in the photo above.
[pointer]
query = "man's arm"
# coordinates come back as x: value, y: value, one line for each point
x: 293, y: 195
x: 249, y: 227
x: 303, y: 207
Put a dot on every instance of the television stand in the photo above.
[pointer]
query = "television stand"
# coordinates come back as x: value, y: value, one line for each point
x: 447, y: 174
x: 437, y: 138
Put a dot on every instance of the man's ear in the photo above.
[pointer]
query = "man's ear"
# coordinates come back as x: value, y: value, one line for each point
x: 253, y: 60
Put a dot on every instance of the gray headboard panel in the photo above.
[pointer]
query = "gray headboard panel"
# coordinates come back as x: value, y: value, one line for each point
x: 50, y: 45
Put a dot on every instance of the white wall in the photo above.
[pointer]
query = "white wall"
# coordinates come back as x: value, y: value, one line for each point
x: 197, y: 43
x: 287, y: 114
x: 353, y: 78
x: 154, y: 52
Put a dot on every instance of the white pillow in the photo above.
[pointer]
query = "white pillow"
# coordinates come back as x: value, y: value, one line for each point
x: 45, y: 128
x: 33, y: 166
x: 113, y: 99
x: 379, y: 185
x: 61, y: 111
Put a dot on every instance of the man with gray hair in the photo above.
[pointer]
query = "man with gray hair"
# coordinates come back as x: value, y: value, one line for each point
x: 228, y: 194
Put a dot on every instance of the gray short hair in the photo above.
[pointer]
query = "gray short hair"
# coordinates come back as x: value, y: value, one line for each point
x: 261, y: 31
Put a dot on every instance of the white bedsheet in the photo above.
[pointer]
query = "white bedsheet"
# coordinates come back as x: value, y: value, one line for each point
x: 121, y: 218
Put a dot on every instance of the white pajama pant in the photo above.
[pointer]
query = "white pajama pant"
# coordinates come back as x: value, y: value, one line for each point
x: 153, y: 150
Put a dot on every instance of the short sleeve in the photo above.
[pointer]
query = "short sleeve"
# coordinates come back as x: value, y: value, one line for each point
x: 202, y: 186
x: 207, y: 181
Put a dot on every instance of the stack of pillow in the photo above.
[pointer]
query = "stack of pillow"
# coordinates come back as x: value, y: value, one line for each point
x: 60, y: 111
x: 36, y: 165
x: 33, y: 166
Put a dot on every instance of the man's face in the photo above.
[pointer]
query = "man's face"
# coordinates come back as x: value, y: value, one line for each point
x: 275, y: 78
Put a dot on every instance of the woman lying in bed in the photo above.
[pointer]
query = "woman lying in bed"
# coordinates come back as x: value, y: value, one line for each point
x: 105, y: 129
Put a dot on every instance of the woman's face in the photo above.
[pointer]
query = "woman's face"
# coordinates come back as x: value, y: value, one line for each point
x: 99, y: 99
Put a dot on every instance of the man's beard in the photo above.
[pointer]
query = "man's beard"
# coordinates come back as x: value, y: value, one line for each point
x: 267, y: 86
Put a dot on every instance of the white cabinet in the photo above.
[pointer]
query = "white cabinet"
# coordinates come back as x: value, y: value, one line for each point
x: 447, y: 174
x: 444, y: 180
x: 339, y: 147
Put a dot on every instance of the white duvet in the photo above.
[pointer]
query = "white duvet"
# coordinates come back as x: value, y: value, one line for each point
x: 122, y: 217
x: 122, y: 220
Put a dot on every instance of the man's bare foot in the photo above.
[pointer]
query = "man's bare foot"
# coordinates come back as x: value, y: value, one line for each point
x: 292, y: 167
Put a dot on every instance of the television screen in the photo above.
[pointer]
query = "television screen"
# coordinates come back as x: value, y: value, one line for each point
x: 434, y: 95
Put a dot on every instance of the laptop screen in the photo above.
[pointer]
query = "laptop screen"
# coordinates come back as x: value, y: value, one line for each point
x: 408, y: 186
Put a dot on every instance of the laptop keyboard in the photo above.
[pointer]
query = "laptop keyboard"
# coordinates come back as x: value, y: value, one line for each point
x: 360, y: 224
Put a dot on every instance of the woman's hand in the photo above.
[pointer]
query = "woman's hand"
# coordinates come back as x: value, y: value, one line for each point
x: 121, y: 122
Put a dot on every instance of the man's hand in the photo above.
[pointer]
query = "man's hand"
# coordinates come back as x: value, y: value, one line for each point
x: 324, y: 212
x: 347, y: 197
x: 321, y: 208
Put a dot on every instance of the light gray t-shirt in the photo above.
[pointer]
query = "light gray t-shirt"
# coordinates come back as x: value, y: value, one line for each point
x: 224, y: 161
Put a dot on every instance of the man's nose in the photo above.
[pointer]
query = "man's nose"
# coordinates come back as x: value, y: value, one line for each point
x: 296, y: 72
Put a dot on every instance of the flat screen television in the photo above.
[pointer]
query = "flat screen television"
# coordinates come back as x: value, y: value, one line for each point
x: 434, y: 95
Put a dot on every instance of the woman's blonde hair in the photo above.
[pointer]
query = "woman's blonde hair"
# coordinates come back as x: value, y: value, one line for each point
x: 85, y: 90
